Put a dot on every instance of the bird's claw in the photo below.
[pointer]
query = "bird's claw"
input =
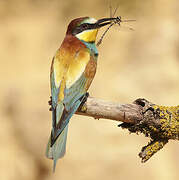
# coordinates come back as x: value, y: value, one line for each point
x: 50, y: 103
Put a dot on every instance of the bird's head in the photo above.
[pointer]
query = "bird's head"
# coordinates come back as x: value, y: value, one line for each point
x: 86, y: 28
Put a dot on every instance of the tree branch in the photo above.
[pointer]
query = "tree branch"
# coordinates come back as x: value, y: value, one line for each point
x: 97, y: 108
x: 160, y: 123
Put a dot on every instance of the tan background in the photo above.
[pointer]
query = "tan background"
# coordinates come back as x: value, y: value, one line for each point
x: 132, y: 64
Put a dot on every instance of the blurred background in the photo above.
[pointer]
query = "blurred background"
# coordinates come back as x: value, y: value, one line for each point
x: 132, y: 64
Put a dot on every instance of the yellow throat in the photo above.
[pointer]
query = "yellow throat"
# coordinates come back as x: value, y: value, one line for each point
x: 88, y: 35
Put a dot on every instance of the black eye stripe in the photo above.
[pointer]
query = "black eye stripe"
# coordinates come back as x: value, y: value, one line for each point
x: 83, y: 27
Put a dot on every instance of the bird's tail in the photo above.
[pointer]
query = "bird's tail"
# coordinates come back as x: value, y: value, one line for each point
x: 59, y: 147
x: 56, y: 146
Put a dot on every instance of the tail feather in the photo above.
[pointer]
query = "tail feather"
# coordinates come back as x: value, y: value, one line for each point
x: 58, y: 149
x: 56, y: 146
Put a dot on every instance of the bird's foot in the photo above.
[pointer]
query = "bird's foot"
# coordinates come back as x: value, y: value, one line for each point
x: 50, y: 103
x: 83, y: 99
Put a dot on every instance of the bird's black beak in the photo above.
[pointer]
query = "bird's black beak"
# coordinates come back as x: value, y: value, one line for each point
x: 105, y: 21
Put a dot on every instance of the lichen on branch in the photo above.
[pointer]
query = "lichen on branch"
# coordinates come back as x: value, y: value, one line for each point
x: 160, y: 123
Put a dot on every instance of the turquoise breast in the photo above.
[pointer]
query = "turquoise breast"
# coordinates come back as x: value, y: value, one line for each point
x: 92, y: 48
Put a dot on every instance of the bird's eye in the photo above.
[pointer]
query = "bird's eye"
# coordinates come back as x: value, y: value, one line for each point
x: 84, y: 26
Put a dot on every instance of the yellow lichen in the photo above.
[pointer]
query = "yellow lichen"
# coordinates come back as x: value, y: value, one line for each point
x: 161, y: 124
x: 83, y: 108
x: 149, y: 150
x: 169, y: 119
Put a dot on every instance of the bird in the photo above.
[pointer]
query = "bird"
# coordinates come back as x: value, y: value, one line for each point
x: 72, y: 71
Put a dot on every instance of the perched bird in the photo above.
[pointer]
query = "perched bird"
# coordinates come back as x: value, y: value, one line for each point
x: 72, y: 71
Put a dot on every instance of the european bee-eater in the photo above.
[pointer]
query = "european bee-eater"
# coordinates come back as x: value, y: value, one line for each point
x: 72, y: 71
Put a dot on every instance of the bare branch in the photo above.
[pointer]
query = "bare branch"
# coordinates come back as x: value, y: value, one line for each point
x: 97, y: 108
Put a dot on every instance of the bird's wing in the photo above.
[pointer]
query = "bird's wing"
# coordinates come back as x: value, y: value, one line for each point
x: 69, y: 83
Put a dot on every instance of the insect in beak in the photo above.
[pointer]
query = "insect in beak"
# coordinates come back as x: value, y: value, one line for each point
x: 107, y: 21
